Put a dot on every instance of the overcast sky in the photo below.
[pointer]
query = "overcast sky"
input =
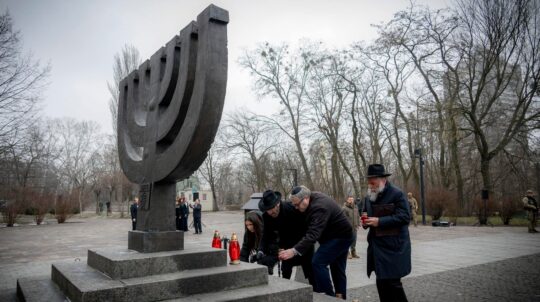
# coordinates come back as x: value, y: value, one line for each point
x: 79, y: 39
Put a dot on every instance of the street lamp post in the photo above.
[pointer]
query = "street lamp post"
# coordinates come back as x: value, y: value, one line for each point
x: 418, y: 154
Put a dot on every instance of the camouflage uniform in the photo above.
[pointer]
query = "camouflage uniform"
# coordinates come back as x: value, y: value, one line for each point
x: 351, y: 211
x: 413, y: 204
x: 531, y: 206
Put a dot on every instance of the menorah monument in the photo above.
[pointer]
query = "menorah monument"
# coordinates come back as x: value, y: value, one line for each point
x: 168, y: 114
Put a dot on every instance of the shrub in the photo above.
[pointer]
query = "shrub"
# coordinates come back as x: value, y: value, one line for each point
x: 509, y: 206
x: 64, y: 208
x: 10, y: 213
x: 440, y: 201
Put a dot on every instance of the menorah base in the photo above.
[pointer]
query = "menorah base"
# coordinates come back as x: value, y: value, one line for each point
x: 151, y: 242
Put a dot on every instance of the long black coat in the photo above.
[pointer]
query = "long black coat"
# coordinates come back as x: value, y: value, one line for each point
x: 389, y: 255
x: 133, y: 210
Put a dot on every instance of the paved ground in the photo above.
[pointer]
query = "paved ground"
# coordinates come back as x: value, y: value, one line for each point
x: 449, y: 264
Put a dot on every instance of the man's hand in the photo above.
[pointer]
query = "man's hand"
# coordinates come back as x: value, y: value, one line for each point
x: 372, y: 221
x: 134, y: 219
x: 286, y: 254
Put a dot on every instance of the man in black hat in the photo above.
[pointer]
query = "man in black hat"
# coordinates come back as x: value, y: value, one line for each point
x: 330, y: 227
x: 389, y: 245
x: 283, y: 228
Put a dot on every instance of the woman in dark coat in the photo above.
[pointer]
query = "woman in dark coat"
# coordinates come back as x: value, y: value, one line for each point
x: 252, y: 236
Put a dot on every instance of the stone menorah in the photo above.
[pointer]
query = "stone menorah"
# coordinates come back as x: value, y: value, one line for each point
x: 169, y: 110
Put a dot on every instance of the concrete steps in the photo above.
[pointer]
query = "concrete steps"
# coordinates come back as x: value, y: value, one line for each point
x: 277, y: 290
x: 195, y: 275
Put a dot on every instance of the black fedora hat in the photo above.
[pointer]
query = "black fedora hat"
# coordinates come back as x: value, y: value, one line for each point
x: 376, y: 170
x: 269, y: 200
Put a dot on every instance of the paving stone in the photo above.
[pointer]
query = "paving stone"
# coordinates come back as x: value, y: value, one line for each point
x: 29, y: 250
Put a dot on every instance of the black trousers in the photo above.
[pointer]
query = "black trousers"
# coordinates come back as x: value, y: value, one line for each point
x: 197, y: 224
x: 391, y: 290
x: 304, y: 261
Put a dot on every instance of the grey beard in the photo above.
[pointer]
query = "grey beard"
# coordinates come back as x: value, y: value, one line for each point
x: 374, y: 193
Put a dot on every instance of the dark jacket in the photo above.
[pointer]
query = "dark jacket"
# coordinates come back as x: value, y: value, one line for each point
x: 178, y: 211
x: 184, y: 210
x: 389, y: 245
x: 197, y: 210
x: 325, y: 220
x: 133, y: 210
x: 283, y: 231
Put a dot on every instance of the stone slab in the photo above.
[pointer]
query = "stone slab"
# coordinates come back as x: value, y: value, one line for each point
x: 38, y: 289
x: 44, y: 290
x: 121, y: 263
x: 81, y: 283
x: 151, y: 242
x: 277, y: 290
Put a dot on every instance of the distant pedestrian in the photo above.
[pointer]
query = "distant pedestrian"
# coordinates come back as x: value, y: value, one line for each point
x: 184, y: 213
x: 177, y: 214
x: 413, y: 206
x: 197, y: 215
x: 351, y: 211
x: 328, y: 225
x: 108, y: 204
x: 133, y: 210
x: 531, y: 206
x: 389, y: 245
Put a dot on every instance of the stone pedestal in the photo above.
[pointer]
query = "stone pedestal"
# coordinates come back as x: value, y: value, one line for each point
x: 151, y: 242
x: 116, y: 274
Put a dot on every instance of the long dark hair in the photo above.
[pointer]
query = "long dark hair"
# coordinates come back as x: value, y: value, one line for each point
x: 253, y: 239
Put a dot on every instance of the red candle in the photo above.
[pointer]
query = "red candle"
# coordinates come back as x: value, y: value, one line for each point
x: 363, y: 217
x: 216, y: 241
x: 234, y: 250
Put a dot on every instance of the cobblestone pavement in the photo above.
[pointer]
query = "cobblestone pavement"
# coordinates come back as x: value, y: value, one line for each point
x: 449, y: 264
x: 516, y: 279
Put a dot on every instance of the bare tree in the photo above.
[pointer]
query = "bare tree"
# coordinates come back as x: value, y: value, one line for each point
x: 282, y: 75
x: 123, y: 65
x: 79, y: 141
x: 500, y: 73
x: 21, y: 82
x: 253, y: 137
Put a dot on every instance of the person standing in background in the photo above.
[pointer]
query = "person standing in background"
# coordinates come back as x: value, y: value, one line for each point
x: 197, y: 209
x: 133, y: 210
x: 413, y: 204
x: 177, y: 214
x: 531, y: 206
x: 184, y: 214
x: 351, y: 212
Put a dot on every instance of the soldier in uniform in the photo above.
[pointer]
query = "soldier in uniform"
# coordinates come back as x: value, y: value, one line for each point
x: 413, y: 204
x: 531, y: 206
x: 351, y: 211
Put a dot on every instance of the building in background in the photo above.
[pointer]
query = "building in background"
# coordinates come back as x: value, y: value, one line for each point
x: 190, y: 188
